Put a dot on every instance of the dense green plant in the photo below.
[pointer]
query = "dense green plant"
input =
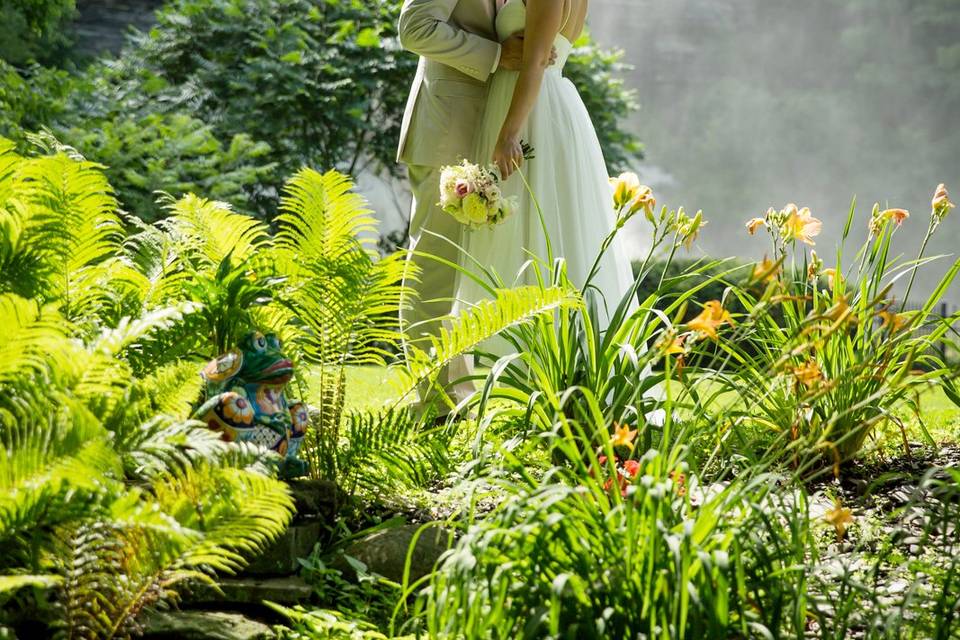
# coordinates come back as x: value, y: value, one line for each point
x: 600, y: 547
x: 173, y: 153
x: 33, y: 29
x: 101, y: 473
x: 323, y: 83
x: 31, y: 99
x: 842, y: 354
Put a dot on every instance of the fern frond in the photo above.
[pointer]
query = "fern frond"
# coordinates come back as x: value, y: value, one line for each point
x: 32, y: 333
x: 237, y: 513
x: 209, y: 231
x: 130, y: 333
x: 350, y: 318
x: 173, y: 388
x: 9, y: 584
x: 153, y: 254
x: 388, y: 449
x: 89, y: 559
x: 510, y: 308
x: 322, y: 218
x: 55, y: 470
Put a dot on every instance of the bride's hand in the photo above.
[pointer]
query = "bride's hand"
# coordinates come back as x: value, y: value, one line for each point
x: 508, y: 155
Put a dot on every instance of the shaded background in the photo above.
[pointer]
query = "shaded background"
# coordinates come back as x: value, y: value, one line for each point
x: 747, y: 104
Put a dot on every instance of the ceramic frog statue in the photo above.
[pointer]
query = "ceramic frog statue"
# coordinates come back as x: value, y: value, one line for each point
x: 245, y: 400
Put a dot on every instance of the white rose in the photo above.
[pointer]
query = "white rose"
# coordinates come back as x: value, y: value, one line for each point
x: 475, y: 209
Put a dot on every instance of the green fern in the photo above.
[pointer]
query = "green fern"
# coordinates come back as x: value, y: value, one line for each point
x: 486, y: 319
x: 101, y: 475
x: 344, y: 299
x: 207, y: 231
x: 389, y: 449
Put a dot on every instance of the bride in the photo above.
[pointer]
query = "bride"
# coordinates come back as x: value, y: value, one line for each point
x: 567, y: 178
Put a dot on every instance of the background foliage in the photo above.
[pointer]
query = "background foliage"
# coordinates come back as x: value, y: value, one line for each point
x: 34, y: 29
x: 229, y: 96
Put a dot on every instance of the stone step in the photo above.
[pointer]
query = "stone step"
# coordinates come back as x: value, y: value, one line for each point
x: 288, y: 590
x: 281, y: 557
x: 204, y: 625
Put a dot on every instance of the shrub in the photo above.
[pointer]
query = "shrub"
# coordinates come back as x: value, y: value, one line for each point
x: 33, y: 29
x: 173, y: 153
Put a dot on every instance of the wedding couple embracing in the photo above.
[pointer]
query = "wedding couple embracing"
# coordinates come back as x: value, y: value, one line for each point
x: 490, y: 78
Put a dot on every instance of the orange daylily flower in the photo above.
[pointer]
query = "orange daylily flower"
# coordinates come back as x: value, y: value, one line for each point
x: 675, y: 346
x: 766, y: 271
x: 643, y: 200
x: 841, y: 311
x: 808, y: 374
x: 712, y: 317
x: 893, y: 321
x: 623, y: 436
x: 800, y: 225
x: 897, y: 215
x: 839, y: 517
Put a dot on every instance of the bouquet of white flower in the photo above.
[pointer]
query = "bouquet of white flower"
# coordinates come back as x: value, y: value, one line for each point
x: 471, y: 194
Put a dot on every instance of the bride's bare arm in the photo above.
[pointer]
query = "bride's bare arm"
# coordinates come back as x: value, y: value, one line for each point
x: 544, y: 18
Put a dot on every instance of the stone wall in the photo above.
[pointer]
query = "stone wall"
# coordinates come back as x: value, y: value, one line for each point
x: 102, y: 24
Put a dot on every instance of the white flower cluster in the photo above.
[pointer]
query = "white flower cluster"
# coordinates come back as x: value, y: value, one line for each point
x: 471, y: 194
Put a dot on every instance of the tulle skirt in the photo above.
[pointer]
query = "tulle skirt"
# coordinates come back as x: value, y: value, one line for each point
x: 568, y: 180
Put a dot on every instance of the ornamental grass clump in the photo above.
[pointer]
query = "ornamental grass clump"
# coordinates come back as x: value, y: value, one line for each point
x: 619, y: 543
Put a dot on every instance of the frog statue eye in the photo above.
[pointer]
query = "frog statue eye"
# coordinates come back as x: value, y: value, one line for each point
x: 273, y: 341
x: 259, y: 342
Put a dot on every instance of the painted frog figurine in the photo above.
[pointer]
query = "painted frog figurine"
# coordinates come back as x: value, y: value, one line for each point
x: 245, y: 400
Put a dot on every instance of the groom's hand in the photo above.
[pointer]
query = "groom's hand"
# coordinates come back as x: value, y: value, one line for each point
x: 511, y: 53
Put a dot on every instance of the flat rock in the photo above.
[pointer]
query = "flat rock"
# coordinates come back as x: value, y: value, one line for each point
x: 249, y: 590
x: 204, y: 625
x: 385, y: 552
x: 281, y: 557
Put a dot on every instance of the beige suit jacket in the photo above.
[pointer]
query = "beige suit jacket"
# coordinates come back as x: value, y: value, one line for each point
x: 457, y: 44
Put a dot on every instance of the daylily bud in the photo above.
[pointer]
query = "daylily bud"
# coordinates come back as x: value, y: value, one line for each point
x: 941, y: 203
x: 754, y: 224
x: 813, y: 269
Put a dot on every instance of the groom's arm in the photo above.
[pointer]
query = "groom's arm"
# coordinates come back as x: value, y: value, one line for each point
x: 425, y: 29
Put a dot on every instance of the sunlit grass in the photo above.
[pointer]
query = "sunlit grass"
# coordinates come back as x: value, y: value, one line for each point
x: 370, y: 387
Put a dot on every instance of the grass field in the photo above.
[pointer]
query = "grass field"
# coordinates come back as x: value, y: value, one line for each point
x: 369, y: 387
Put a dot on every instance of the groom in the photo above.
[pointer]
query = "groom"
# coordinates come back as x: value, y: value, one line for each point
x: 459, y: 50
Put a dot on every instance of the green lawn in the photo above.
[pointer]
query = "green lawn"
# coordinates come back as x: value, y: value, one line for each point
x: 369, y: 387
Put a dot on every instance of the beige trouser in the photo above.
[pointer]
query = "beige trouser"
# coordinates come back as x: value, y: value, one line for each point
x: 435, y: 233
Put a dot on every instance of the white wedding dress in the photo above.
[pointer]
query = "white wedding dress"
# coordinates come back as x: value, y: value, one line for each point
x: 568, y: 177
